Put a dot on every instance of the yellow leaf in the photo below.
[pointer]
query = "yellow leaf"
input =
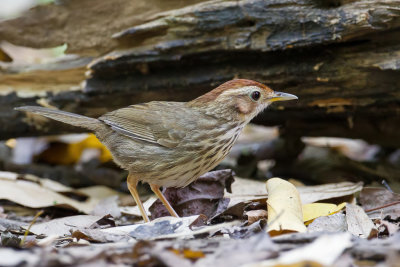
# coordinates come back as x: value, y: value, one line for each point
x: 314, y: 210
x: 189, y: 254
x: 93, y: 142
x: 70, y: 153
x: 284, y: 208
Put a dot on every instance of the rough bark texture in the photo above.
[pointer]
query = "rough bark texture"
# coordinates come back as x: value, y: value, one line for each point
x: 342, y: 58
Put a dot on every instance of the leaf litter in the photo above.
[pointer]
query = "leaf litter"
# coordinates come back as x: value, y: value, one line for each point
x: 227, y: 222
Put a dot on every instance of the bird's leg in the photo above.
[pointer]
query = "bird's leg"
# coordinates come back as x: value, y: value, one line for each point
x: 132, y: 183
x: 156, y: 190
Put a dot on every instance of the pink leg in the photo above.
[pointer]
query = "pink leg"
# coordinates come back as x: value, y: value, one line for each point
x: 156, y: 190
x: 132, y: 183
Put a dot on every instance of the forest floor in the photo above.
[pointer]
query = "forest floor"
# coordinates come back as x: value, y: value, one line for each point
x: 242, y: 222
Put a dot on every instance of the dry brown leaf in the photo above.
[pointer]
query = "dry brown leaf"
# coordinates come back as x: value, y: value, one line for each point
x: 310, y: 194
x: 238, y: 252
x: 50, y: 184
x: 358, y: 222
x: 245, y: 190
x: 247, y: 187
x: 324, y: 251
x: 134, y: 210
x: 39, y: 193
x: 10, y: 225
x: 255, y: 215
x: 13, y: 257
x: 332, y: 223
x: 284, y: 208
x: 98, y: 192
x: 168, y: 227
x: 107, y: 206
x: 62, y: 226
x: 204, y: 196
x: 96, y: 235
x: 47, y: 241
x: 380, y: 202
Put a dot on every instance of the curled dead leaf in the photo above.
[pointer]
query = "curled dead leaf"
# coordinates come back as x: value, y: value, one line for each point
x: 284, y: 208
x: 204, y: 196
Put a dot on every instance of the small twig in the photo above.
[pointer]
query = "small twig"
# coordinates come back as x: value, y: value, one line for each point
x: 384, y: 206
x: 29, y: 227
x: 385, y: 184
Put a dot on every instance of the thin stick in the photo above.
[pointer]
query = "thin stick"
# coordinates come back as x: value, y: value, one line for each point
x: 384, y: 206
x: 29, y: 227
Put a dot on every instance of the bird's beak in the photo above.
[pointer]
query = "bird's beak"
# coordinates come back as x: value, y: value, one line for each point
x: 279, y: 96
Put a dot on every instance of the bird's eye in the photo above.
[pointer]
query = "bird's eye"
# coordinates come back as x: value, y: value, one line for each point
x: 255, y: 95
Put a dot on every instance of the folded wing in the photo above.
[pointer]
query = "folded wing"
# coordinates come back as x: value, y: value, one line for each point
x: 152, y: 122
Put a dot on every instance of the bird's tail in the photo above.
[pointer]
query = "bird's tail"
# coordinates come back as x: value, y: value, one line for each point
x: 63, y: 116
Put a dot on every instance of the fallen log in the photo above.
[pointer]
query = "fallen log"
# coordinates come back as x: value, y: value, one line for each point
x: 342, y: 60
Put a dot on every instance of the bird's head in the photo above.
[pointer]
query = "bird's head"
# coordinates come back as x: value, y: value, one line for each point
x: 244, y: 98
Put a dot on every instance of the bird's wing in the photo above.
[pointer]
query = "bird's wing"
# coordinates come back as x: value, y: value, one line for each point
x: 153, y: 122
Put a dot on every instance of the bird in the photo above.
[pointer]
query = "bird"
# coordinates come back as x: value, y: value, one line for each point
x: 170, y: 144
